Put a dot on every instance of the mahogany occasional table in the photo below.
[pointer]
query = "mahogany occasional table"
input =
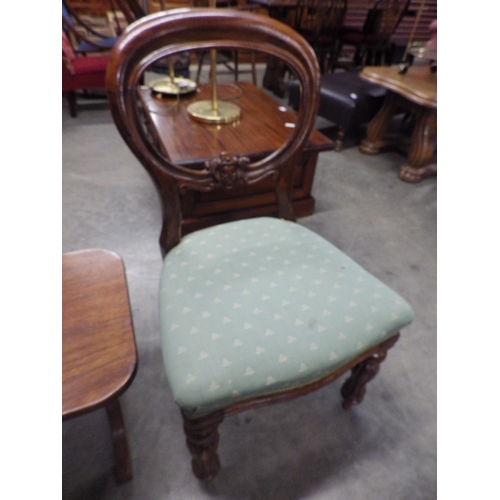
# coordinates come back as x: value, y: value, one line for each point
x: 263, y: 127
x: 414, y: 91
x: 99, y: 353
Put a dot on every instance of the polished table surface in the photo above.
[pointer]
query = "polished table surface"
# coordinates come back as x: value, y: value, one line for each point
x: 263, y: 127
x: 415, y: 91
x: 99, y: 356
x: 418, y: 84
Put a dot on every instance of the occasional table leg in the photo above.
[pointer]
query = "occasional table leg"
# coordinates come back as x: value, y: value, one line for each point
x: 123, y: 463
x: 423, y: 141
x: 377, y: 128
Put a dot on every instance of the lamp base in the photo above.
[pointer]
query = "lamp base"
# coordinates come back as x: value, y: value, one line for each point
x: 203, y: 111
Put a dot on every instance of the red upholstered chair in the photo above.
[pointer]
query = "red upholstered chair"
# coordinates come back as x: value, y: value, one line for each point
x: 80, y: 73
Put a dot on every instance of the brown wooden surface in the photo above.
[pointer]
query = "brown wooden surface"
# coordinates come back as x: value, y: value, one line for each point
x: 261, y: 129
x: 418, y: 84
x: 99, y: 354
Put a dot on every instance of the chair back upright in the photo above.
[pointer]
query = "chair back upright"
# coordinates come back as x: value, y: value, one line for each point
x: 83, y: 37
x: 319, y: 22
x: 130, y: 9
x: 383, y: 19
x: 168, y: 33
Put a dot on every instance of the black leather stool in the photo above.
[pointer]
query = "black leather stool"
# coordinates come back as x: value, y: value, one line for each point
x: 346, y: 100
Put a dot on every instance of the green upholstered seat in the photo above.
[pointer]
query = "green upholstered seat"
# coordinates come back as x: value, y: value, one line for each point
x: 257, y: 306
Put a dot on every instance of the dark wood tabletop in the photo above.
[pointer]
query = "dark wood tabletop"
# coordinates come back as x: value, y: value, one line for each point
x: 99, y: 353
x: 418, y: 84
x: 263, y: 127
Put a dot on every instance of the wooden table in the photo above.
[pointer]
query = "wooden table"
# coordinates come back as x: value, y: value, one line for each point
x: 99, y: 353
x: 263, y: 127
x: 415, y: 91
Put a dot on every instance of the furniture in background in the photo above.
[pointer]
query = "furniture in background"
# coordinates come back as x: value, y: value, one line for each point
x: 319, y: 22
x: 230, y: 59
x: 373, y: 41
x: 263, y: 127
x: 80, y: 73
x: 99, y: 357
x: 83, y: 37
x: 260, y: 310
x: 283, y: 11
x: 130, y: 9
x: 345, y: 99
x: 416, y: 92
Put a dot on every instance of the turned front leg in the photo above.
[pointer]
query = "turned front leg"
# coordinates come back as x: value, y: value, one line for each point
x: 354, y: 388
x: 203, y: 439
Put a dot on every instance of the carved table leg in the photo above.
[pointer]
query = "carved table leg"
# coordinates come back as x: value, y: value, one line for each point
x: 354, y: 388
x: 423, y: 142
x: 123, y: 463
x: 202, y: 440
x: 377, y: 128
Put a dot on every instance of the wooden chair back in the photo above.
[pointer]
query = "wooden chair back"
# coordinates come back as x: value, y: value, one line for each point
x: 167, y: 33
x: 320, y: 18
x: 319, y: 22
x: 79, y: 31
x: 130, y: 9
x: 383, y: 19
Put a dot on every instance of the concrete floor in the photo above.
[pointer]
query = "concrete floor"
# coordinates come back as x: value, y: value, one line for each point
x: 309, y: 448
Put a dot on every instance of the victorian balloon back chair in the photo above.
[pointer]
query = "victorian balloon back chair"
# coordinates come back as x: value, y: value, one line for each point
x: 260, y: 310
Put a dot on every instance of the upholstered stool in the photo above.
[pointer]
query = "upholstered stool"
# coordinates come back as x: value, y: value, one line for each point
x: 346, y: 100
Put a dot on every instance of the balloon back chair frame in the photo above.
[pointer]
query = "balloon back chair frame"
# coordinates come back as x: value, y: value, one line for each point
x: 165, y: 34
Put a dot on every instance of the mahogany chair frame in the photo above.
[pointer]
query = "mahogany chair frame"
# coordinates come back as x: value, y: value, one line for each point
x: 165, y: 34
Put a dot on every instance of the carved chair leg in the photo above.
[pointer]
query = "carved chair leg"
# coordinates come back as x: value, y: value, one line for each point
x: 123, y: 463
x: 202, y: 440
x: 354, y: 388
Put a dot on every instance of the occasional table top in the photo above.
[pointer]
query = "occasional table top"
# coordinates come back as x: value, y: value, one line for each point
x: 418, y: 84
x: 263, y: 127
x: 98, y: 346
